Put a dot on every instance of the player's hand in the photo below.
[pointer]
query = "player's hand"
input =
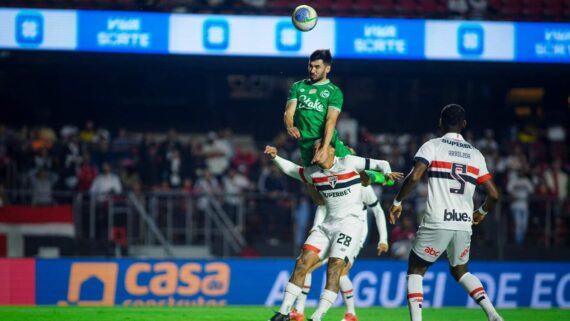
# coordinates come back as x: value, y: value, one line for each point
x: 270, y: 151
x: 320, y: 155
x: 478, y: 217
x: 395, y: 176
x: 382, y: 248
x: 294, y: 132
x: 395, y: 212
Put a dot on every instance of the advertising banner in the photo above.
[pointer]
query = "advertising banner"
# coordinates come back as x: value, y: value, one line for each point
x: 380, y: 38
x: 543, y: 42
x: 32, y: 29
x: 246, y: 36
x: 470, y: 40
x: 262, y: 281
x: 118, y: 31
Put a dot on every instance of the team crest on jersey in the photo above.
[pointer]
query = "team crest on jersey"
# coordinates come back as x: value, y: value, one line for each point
x: 312, y: 91
x: 302, y: 90
x: 325, y: 93
x: 332, y: 181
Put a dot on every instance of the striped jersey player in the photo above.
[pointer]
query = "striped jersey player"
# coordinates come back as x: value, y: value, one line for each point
x: 337, y: 180
x: 454, y: 168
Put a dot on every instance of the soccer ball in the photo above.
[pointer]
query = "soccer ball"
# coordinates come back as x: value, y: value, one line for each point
x: 304, y: 18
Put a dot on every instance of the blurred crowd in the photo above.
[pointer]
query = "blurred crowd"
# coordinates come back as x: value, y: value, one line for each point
x: 93, y: 160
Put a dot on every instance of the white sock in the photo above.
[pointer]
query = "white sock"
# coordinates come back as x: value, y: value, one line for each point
x: 473, y: 286
x: 291, y: 293
x: 327, y: 300
x: 347, y: 294
x: 302, y: 298
x: 415, y: 296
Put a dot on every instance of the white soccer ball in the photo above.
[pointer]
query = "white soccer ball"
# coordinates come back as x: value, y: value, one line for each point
x: 304, y: 18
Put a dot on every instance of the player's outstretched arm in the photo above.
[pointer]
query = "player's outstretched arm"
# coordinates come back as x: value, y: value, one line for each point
x: 490, y: 201
x: 288, y: 119
x: 363, y: 164
x: 289, y: 168
x: 409, y: 183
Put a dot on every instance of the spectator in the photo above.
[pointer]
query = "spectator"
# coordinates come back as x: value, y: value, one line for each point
x: 207, y: 186
x: 235, y: 185
x: 402, y: 236
x: 42, y: 187
x: 88, y: 134
x: 106, y: 183
x: 519, y: 188
x: 218, y: 153
x: 174, y: 171
x: 86, y: 174
x: 557, y: 184
x: 71, y: 159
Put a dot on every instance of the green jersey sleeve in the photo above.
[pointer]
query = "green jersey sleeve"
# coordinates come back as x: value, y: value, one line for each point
x: 336, y: 100
x: 293, y: 92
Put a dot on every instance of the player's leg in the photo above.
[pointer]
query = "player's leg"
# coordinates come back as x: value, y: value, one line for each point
x: 297, y: 314
x: 347, y: 291
x: 426, y: 249
x: 458, y: 254
x: 346, y: 287
x: 346, y: 238
x: 316, y: 241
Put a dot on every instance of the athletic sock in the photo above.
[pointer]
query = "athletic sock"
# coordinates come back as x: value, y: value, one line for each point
x: 327, y: 300
x: 473, y: 286
x: 291, y: 293
x: 302, y: 298
x: 415, y: 296
x: 347, y: 294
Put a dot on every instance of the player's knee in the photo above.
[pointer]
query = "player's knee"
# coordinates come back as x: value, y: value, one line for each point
x: 458, y: 271
x: 417, y: 265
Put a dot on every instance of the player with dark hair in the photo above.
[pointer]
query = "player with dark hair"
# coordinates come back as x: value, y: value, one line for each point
x: 454, y: 169
x: 312, y: 109
x: 339, y: 184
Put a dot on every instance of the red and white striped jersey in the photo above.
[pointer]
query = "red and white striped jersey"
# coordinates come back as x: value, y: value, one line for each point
x: 455, y: 168
x: 340, y: 185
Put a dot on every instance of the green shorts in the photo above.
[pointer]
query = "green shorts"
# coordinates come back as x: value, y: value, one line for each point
x: 307, y: 149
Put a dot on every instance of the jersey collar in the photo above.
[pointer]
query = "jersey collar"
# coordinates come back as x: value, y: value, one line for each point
x: 326, y: 82
x: 454, y: 136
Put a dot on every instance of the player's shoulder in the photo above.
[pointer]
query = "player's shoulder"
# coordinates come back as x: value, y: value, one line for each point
x: 300, y: 83
x: 332, y: 86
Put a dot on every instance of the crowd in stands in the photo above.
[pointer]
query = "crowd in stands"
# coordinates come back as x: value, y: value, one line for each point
x: 91, y: 160
x: 533, y: 10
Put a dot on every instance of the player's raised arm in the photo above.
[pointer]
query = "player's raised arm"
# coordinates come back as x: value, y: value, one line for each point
x: 363, y: 164
x: 289, y: 116
x: 289, y: 168
x: 409, y: 183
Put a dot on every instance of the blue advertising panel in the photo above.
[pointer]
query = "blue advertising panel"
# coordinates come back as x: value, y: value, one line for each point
x: 543, y: 42
x: 123, y: 31
x: 32, y: 29
x: 262, y: 281
x: 380, y: 38
x: 469, y: 40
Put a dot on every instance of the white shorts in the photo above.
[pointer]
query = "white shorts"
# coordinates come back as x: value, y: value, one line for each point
x: 431, y: 243
x: 338, y: 239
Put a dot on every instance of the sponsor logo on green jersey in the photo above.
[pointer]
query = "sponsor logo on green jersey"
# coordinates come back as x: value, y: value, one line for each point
x: 307, y: 103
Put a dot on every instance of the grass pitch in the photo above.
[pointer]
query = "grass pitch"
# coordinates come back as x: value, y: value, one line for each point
x: 256, y: 313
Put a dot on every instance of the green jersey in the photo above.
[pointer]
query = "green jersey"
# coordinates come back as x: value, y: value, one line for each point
x: 313, y: 103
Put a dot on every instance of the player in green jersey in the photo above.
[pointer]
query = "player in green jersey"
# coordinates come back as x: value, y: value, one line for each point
x: 313, y: 106
x: 312, y: 109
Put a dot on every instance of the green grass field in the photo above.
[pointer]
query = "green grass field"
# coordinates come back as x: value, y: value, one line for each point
x: 256, y: 313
